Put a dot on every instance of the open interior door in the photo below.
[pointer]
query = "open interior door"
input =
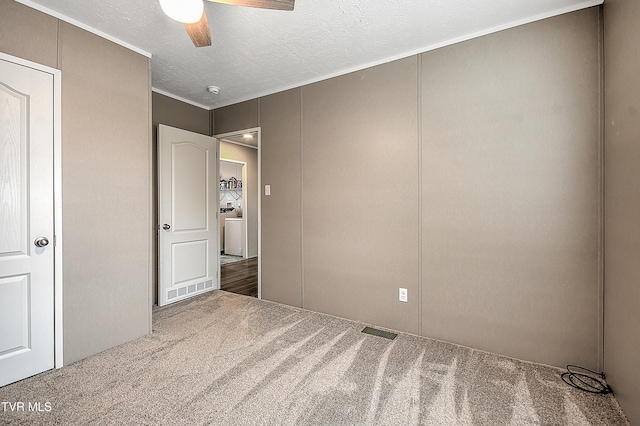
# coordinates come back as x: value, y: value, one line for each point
x: 187, y: 214
x: 26, y: 222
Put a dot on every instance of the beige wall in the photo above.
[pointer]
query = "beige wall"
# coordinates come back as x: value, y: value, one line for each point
x: 469, y: 175
x: 281, y: 152
x: 622, y: 202
x: 360, y: 195
x: 40, y: 45
x: 235, y: 117
x: 178, y: 114
x: 511, y: 191
x: 105, y: 177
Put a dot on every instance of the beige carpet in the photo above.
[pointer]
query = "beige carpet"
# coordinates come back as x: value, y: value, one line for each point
x: 225, y: 359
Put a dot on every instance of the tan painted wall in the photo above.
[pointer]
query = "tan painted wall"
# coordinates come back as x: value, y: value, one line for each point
x: 511, y: 191
x: 39, y: 45
x: 622, y: 202
x: 280, y: 121
x: 178, y: 114
x: 105, y: 177
x: 235, y: 117
x: 360, y: 195
x: 469, y: 175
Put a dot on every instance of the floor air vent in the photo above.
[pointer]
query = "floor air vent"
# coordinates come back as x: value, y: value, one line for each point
x: 379, y: 333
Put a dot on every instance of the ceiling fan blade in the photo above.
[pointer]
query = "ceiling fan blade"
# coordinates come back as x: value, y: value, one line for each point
x: 261, y: 4
x: 199, y: 32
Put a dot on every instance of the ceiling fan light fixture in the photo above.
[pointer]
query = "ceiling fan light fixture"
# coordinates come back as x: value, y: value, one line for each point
x: 186, y: 11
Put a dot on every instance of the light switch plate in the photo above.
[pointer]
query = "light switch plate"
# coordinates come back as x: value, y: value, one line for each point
x: 267, y: 190
x: 403, y: 295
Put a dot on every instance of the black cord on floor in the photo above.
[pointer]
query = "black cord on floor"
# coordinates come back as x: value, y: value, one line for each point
x: 586, y: 380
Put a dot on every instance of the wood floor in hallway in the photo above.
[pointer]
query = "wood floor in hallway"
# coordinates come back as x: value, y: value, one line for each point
x: 240, y: 277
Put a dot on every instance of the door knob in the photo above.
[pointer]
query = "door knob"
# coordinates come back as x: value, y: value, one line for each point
x: 41, y: 242
x: 166, y: 226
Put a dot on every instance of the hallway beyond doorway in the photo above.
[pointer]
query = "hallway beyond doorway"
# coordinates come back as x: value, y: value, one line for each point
x: 240, y: 277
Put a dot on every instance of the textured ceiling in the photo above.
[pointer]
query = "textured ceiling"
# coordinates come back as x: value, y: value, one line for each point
x: 257, y: 52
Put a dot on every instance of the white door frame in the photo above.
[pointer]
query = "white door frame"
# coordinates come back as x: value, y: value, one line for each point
x: 57, y: 199
x: 221, y: 137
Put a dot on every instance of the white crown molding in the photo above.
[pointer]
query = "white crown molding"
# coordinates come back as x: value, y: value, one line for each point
x: 83, y: 26
x: 178, y: 98
x: 584, y: 5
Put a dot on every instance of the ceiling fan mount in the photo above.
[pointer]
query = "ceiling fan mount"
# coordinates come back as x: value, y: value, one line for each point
x: 194, y: 17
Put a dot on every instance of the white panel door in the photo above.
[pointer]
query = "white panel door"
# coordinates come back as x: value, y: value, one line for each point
x: 187, y: 214
x: 26, y: 222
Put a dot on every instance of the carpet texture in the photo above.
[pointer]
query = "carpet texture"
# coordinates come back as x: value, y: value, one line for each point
x: 225, y: 359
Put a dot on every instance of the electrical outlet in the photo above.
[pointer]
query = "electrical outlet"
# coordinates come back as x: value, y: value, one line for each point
x: 403, y: 295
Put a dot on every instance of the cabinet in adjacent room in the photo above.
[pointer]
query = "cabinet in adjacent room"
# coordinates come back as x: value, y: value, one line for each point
x: 233, y: 236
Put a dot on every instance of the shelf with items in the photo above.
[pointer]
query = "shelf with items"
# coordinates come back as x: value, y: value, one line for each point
x: 231, y: 195
x: 232, y: 183
x: 231, y: 187
x: 236, y: 193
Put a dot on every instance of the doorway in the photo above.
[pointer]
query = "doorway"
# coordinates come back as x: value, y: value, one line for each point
x: 233, y: 218
x: 239, y: 191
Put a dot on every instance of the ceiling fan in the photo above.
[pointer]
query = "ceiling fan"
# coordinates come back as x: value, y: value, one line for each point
x: 192, y: 14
